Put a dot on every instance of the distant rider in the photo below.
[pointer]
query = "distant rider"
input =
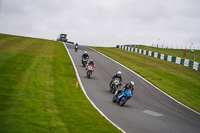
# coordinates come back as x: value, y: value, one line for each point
x: 125, y: 87
x: 117, y: 75
x: 76, y: 46
x: 85, y: 56
x: 91, y: 62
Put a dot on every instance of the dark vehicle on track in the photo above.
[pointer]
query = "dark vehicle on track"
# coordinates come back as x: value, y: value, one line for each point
x: 62, y: 38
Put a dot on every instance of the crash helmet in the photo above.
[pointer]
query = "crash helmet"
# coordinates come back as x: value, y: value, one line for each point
x: 119, y: 73
x: 85, y: 52
x: 131, y: 85
x: 91, y: 61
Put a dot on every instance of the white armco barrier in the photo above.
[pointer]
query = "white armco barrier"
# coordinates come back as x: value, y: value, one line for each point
x: 150, y: 53
x: 144, y: 52
x: 162, y: 56
x: 186, y: 62
x: 178, y: 60
x: 155, y: 54
x: 195, y: 65
x: 169, y: 58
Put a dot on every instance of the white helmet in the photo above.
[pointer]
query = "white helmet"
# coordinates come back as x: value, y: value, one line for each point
x: 132, y: 83
x: 85, y: 52
x: 119, y: 73
x: 91, y: 61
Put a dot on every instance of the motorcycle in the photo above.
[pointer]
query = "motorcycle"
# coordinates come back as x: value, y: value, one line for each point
x: 122, y: 97
x: 76, y: 48
x: 89, y: 70
x: 114, y: 85
x: 84, y: 61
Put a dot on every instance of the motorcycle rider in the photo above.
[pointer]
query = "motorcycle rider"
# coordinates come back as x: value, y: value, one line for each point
x: 127, y: 86
x: 91, y: 62
x: 76, y: 46
x: 117, y: 75
x: 85, y: 56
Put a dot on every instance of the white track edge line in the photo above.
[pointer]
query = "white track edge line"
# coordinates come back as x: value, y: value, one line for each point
x: 148, y: 82
x: 83, y: 89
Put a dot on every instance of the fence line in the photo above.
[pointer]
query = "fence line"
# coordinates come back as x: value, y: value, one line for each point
x: 185, y: 62
x: 176, y: 47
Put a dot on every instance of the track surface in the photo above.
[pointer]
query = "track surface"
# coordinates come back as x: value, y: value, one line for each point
x: 148, y: 110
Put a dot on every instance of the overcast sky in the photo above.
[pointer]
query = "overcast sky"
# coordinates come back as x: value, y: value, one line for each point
x: 105, y: 22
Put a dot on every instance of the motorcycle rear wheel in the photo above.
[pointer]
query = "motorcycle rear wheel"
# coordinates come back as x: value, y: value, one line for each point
x: 114, y: 98
x: 111, y: 88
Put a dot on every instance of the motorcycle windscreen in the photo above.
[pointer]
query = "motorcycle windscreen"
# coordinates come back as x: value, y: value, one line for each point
x: 128, y: 93
x: 116, y: 81
x: 90, y: 67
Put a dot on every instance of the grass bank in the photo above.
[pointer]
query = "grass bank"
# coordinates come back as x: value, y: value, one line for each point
x: 180, y: 82
x: 38, y: 93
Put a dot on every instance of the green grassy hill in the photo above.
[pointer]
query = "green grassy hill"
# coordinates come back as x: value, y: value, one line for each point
x: 38, y: 93
x: 194, y: 56
x: 180, y: 82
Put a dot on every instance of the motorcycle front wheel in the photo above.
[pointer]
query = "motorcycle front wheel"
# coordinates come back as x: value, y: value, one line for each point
x: 88, y: 74
x: 113, y: 89
x: 122, y: 101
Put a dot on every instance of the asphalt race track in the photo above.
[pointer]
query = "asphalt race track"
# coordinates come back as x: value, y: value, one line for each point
x: 148, y: 111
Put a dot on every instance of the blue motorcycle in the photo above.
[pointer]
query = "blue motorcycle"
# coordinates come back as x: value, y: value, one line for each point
x: 122, y: 97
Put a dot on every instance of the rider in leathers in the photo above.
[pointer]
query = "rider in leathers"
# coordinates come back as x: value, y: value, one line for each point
x: 117, y: 75
x: 127, y: 86
x: 76, y: 45
x: 84, y: 56
x: 91, y: 62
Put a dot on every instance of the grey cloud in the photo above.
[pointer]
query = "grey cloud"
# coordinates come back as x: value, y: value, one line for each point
x: 104, y: 22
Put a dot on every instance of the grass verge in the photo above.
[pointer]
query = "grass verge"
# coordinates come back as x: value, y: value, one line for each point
x: 38, y: 93
x: 178, y: 81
